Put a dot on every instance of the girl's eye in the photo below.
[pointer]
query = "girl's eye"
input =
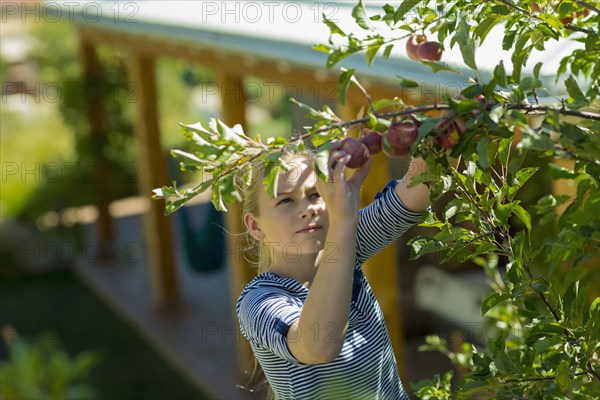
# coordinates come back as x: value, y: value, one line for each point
x: 283, y: 201
x: 315, y: 195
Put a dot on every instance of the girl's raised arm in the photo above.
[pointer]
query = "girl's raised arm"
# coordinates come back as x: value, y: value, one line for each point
x: 415, y: 198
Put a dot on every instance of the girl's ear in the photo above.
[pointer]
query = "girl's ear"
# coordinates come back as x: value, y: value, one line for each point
x: 252, y: 226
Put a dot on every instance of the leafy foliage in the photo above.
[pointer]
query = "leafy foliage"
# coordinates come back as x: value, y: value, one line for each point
x: 541, y: 257
x: 42, y: 370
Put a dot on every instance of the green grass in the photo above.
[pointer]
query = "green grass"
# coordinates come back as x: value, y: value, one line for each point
x: 58, y: 302
x: 27, y: 144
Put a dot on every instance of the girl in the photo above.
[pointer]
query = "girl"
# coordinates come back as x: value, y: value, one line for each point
x: 310, y: 315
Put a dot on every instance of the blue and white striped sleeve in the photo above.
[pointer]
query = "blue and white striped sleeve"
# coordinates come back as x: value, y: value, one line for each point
x: 265, y: 317
x: 382, y: 222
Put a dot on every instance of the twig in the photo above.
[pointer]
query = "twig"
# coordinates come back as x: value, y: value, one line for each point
x: 436, y: 107
x: 592, y: 371
x: 516, y: 7
x: 576, y: 28
x: 546, y: 302
x: 589, y: 6
x: 542, y: 378
x: 562, y: 110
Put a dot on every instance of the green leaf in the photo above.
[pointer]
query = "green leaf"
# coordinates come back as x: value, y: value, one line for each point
x: 387, y: 51
x: 360, y: 16
x: 575, y: 92
x: 500, y: 75
x: 176, y: 152
x: 322, y: 160
x: 383, y: 103
x: 486, y: 25
x: 323, y: 48
x: 520, y: 55
x: 492, y: 301
x: 575, y: 275
x: 547, y: 31
x: 503, y: 212
x: 482, y: 153
x: 422, y: 246
x: 529, y: 83
x: 343, y: 83
x: 508, y: 40
x: 333, y: 28
x: 536, y: 70
x: 404, y: 8
x: 407, y: 83
x: 466, y: 44
x: 339, y: 54
x: 595, y: 307
x: 439, y: 66
x: 271, y: 175
x: 562, y: 376
x: 217, y: 200
x: 521, y: 177
x: 523, y: 215
x: 496, y: 112
x: 372, y: 51
x: 546, y: 342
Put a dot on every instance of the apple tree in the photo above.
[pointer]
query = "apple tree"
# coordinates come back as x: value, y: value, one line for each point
x: 482, y: 145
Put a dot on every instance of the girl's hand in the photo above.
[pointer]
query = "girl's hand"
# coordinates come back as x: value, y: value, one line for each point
x: 342, y: 196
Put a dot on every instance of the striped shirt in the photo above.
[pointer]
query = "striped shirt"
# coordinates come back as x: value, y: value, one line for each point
x: 366, y: 367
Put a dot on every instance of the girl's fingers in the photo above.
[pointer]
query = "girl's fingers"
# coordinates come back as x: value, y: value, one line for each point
x: 337, y: 162
x: 361, y: 173
x: 338, y: 171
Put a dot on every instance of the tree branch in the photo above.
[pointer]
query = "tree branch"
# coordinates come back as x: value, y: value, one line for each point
x: 562, y: 110
x: 592, y: 371
x: 589, y: 6
x: 576, y: 28
x: 544, y: 378
x: 516, y: 7
x: 436, y: 107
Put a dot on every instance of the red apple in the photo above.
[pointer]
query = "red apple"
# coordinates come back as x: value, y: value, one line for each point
x: 359, y: 153
x: 448, y: 140
x: 390, y: 150
x: 568, y: 19
x: 371, y: 139
x: 430, y: 51
x: 402, y: 134
x: 442, y: 126
x: 411, y: 45
x: 460, y: 124
x: 448, y: 132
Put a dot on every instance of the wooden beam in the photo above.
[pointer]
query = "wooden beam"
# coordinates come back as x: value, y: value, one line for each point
x: 320, y: 84
x: 241, y: 271
x: 153, y: 174
x: 95, y: 114
x: 382, y: 269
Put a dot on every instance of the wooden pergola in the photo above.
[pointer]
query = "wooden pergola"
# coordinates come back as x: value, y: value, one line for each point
x: 282, y: 53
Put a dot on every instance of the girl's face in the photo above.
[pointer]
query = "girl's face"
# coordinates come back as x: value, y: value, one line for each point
x: 295, y: 222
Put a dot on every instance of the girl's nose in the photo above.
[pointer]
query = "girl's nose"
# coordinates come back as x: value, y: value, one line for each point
x: 309, y: 211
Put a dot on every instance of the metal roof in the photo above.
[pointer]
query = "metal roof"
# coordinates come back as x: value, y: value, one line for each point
x: 286, y: 31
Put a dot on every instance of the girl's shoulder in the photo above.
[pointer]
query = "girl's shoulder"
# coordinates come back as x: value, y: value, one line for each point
x: 271, y: 282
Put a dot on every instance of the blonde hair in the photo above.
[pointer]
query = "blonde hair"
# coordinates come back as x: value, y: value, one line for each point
x: 249, y: 183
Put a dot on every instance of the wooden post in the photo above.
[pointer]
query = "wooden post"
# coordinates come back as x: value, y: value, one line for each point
x: 95, y: 115
x: 233, y: 111
x: 153, y: 174
x: 382, y: 269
